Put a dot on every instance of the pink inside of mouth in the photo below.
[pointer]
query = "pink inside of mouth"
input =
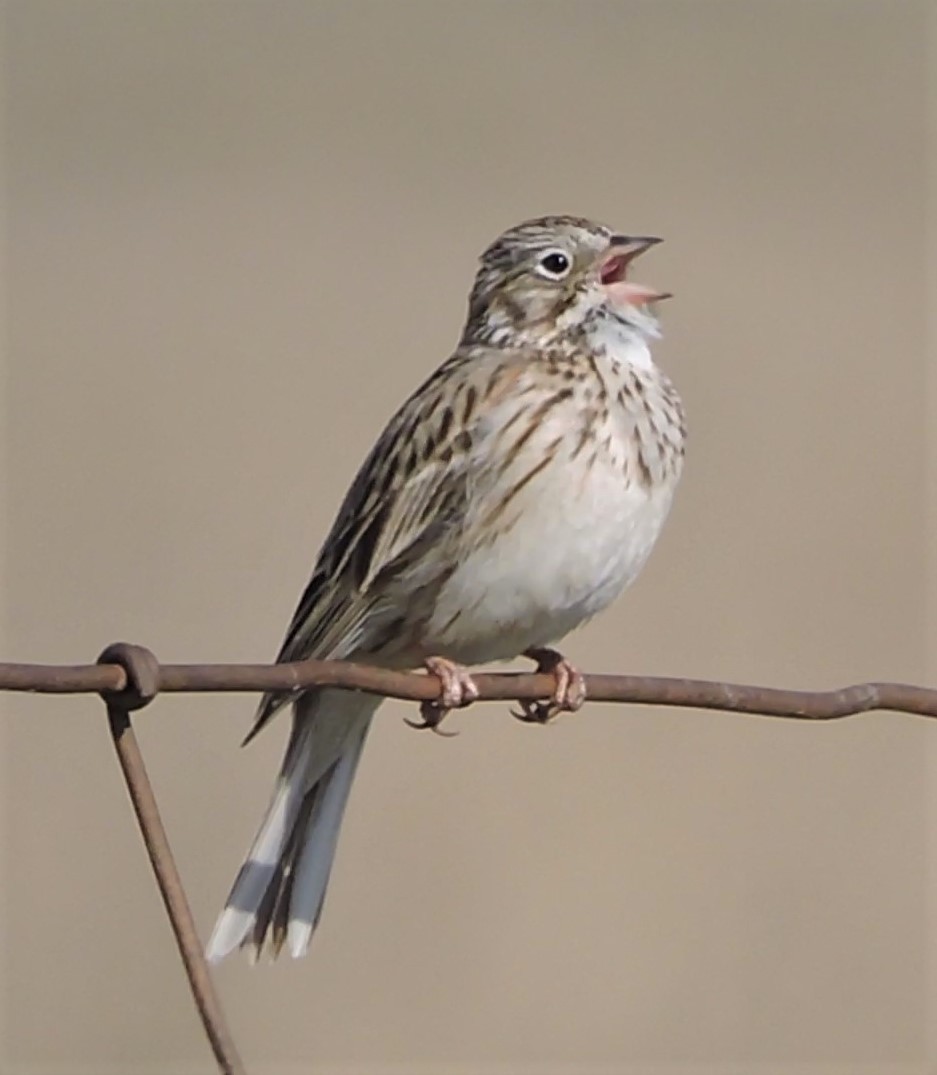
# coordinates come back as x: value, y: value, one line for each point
x: 614, y: 270
x: 629, y: 294
x: 614, y: 276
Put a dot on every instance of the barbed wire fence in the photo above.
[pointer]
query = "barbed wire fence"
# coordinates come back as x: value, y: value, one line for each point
x: 129, y: 677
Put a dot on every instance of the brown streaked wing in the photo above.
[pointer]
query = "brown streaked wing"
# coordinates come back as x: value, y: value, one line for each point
x: 410, y: 490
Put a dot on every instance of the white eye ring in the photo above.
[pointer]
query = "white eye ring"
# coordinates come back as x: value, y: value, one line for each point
x: 554, y: 264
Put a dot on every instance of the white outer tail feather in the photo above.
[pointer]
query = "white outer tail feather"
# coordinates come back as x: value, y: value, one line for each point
x: 325, y: 746
x: 315, y: 860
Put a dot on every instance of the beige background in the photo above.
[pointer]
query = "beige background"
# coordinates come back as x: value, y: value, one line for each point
x: 237, y: 234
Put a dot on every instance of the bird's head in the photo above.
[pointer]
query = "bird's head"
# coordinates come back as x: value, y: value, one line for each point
x: 558, y: 276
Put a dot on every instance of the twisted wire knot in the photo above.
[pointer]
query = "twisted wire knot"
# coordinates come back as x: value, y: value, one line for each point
x: 141, y: 670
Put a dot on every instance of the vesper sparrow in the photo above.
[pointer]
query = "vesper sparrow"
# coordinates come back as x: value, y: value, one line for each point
x: 513, y: 496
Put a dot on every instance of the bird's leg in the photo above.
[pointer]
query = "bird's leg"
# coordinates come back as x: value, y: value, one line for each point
x: 458, y: 689
x: 569, y: 691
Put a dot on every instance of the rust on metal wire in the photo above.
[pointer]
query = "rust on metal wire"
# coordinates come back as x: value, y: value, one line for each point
x: 129, y: 677
x: 140, y: 671
x: 110, y: 678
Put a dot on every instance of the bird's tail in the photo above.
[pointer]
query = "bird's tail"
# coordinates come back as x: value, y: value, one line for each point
x: 280, y: 889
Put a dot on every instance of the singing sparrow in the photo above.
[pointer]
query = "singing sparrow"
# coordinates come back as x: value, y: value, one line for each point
x: 513, y: 496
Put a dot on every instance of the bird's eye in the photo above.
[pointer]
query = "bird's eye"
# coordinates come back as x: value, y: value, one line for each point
x: 554, y: 264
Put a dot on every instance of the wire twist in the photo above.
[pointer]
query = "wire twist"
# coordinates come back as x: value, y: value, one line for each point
x: 129, y: 677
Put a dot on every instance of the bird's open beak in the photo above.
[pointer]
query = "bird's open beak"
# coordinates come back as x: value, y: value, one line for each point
x: 613, y: 271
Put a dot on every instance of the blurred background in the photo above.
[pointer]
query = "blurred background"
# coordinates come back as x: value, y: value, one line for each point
x: 238, y: 234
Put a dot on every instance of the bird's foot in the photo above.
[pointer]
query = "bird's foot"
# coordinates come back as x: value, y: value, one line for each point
x: 458, y: 689
x: 569, y: 691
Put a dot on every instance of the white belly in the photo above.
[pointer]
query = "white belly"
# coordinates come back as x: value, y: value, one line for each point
x: 578, y: 539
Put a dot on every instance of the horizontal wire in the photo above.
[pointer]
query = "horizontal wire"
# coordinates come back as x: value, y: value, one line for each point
x: 847, y: 701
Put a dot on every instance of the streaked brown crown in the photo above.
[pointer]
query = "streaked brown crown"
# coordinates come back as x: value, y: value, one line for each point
x: 510, y: 300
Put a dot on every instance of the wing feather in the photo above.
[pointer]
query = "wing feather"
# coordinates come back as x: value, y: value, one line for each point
x: 412, y: 489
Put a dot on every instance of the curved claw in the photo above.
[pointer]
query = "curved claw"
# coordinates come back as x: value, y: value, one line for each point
x: 569, y: 691
x: 431, y: 714
x: 457, y: 689
x: 533, y: 712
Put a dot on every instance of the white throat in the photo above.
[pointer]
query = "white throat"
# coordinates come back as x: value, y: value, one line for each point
x: 629, y: 342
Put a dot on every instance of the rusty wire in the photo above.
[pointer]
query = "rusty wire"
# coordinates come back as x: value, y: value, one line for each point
x: 493, y: 687
x: 129, y: 677
x: 141, y: 677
